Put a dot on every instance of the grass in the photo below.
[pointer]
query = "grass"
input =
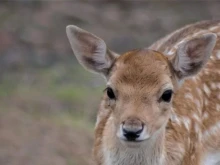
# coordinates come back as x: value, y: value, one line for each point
x: 74, y: 121
x: 75, y: 93
x: 6, y: 90
x: 64, y: 98
x: 71, y: 93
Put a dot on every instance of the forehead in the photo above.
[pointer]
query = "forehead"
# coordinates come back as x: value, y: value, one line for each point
x: 141, y: 68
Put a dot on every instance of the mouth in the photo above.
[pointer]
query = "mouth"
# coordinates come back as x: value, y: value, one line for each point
x: 132, y: 141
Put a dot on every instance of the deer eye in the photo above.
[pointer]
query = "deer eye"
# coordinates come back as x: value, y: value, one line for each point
x: 110, y: 93
x: 167, y: 95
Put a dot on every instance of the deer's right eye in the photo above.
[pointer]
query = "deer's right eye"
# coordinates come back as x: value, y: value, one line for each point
x: 167, y: 95
x: 110, y: 93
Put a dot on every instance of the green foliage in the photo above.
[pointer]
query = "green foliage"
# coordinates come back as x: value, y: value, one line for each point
x: 68, y: 93
x: 6, y: 89
x: 62, y: 89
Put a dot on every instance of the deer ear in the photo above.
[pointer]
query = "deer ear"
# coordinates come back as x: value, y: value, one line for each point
x: 90, y: 51
x: 192, y: 55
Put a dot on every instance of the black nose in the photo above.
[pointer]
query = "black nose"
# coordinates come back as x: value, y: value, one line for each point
x: 132, y: 132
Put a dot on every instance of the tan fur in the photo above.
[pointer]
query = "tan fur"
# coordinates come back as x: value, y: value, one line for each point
x: 183, y: 132
x: 182, y: 145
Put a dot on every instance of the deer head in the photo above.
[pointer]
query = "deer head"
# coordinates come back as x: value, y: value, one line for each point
x: 140, y: 83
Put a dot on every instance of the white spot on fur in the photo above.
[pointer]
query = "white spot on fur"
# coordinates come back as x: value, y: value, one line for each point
x: 213, y: 28
x: 189, y: 96
x: 198, y: 103
x: 218, y: 54
x: 213, y: 86
x: 218, y: 107
x: 197, y: 129
x: 180, y: 43
x: 186, y: 122
x: 171, y: 52
x: 166, y: 50
x: 175, y: 119
x: 195, y: 116
x: 188, y: 89
x: 218, y: 85
x: 206, y: 89
x: 212, y: 130
x: 199, y: 33
x: 206, y: 102
x: 194, y: 79
x: 199, y: 91
x: 206, y: 115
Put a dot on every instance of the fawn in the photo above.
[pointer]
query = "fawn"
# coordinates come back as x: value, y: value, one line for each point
x: 161, y: 105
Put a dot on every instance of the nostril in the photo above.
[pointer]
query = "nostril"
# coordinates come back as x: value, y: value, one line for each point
x: 139, y: 131
x: 132, y: 133
x: 131, y: 136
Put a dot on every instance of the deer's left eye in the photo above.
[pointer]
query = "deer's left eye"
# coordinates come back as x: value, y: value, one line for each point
x: 110, y: 93
x: 167, y: 95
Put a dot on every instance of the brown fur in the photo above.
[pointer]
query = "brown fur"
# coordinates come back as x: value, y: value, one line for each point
x: 184, y: 131
x: 138, y: 74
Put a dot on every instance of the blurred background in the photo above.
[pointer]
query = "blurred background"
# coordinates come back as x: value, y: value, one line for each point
x: 48, y: 102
